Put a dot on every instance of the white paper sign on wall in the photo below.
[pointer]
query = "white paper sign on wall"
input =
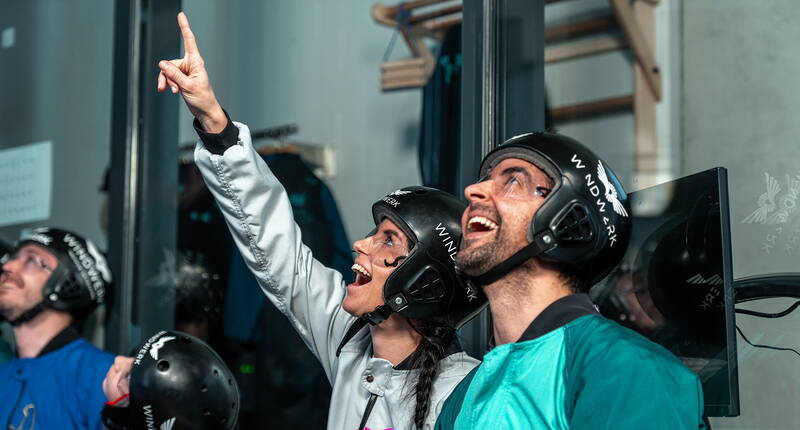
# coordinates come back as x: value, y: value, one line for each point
x: 8, y: 37
x: 26, y: 178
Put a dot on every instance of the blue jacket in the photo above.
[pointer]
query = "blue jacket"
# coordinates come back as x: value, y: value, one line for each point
x: 60, y: 389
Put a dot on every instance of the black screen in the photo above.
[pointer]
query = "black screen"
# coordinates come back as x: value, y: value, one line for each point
x: 675, y: 283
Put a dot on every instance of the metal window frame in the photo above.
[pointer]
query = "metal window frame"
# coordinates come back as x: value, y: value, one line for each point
x: 503, y: 94
x: 143, y: 175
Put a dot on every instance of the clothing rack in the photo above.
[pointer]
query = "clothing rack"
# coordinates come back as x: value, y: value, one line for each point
x: 271, y: 140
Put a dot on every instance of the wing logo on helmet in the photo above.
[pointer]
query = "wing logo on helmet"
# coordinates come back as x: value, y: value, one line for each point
x: 143, y: 350
x: 611, y: 196
x: 399, y: 193
x: 391, y: 201
x: 158, y: 345
x: 611, y: 192
x: 167, y: 425
x: 698, y: 279
x: 99, y: 261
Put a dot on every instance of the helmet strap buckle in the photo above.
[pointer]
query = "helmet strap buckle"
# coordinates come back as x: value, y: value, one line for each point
x: 28, y: 315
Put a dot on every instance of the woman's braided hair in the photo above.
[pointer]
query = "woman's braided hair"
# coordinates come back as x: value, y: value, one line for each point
x: 436, y: 338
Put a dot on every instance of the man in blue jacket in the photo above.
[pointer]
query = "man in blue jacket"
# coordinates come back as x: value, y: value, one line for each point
x: 49, y: 283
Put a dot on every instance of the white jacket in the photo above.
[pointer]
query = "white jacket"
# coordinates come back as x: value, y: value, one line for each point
x: 259, y: 216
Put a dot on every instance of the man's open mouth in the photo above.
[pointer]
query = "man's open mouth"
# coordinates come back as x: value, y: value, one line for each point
x: 480, y: 224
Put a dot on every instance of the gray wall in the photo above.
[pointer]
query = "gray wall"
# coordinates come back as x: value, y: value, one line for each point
x: 272, y: 62
x: 315, y: 64
x: 610, y: 75
x: 55, y: 84
x: 741, y: 101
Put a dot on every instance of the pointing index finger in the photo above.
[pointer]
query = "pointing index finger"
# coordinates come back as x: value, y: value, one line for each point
x: 189, y: 43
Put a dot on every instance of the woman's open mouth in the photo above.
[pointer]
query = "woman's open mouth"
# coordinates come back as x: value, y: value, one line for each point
x: 362, y: 275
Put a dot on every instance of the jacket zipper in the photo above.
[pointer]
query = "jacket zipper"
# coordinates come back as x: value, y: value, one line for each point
x: 16, y: 405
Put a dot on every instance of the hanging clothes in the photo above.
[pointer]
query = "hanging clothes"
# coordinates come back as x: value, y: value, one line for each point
x: 281, y: 381
x: 317, y: 215
x: 201, y: 263
x: 440, y: 131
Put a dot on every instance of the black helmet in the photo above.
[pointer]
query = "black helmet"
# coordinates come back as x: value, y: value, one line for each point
x: 177, y: 383
x: 80, y: 281
x: 584, y: 221
x: 425, y: 285
x: 5, y: 248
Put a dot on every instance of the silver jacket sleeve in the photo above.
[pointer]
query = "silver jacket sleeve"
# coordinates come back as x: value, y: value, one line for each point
x: 259, y: 216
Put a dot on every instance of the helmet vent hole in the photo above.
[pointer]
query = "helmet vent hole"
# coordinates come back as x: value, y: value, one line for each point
x: 428, y: 288
x: 574, y: 226
x: 204, y: 389
x: 71, y: 287
x: 216, y: 372
x: 162, y: 365
x: 233, y: 405
x: 230, y: 381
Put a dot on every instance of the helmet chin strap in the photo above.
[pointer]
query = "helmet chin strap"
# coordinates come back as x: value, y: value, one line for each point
x: 28, y: 315
x: 542, y: 242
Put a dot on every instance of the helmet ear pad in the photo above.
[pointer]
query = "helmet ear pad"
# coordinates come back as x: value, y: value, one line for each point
x: 567, y: 218
x: 63, y: 292
x: 420, y: 281
x: 432, y: 291
x: 426, y: 285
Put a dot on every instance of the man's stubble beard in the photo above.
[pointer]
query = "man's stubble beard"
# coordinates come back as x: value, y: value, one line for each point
x: 477, y: 261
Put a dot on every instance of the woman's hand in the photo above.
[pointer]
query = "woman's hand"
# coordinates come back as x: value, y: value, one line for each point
x: 188, y: 75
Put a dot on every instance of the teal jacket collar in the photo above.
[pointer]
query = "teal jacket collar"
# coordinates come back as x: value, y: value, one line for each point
x: 558, y: 314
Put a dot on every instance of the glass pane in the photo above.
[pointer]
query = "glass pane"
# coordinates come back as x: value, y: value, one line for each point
x: 305, y: 77
x: 723, y: 94
x: 55, y: 115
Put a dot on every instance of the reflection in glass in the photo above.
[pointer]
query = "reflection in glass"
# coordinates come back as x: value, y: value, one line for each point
x: 675, y: 284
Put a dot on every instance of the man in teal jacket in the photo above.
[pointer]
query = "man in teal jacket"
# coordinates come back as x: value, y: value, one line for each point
x: 547, y: 220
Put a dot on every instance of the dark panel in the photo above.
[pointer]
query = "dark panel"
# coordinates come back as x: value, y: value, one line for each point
x: 143, y: 179
x: 502, y: 95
